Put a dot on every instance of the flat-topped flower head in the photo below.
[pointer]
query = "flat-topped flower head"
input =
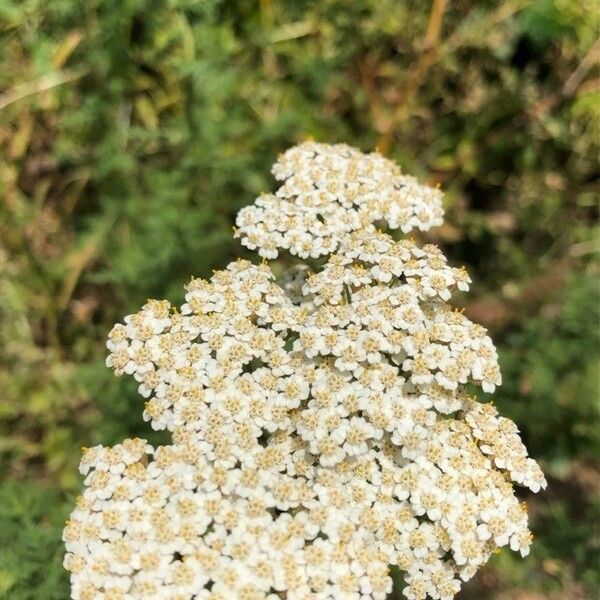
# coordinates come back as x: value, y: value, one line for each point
x: 329, y: 191
x: 321, y: 425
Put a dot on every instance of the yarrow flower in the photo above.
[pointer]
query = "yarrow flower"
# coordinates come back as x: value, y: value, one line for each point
x: 321, y: 428
x: 329, y: 191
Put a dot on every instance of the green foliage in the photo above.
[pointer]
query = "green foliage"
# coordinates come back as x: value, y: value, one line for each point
x: 31, y: 552
x: 131, y: 131
x: 552, y: 376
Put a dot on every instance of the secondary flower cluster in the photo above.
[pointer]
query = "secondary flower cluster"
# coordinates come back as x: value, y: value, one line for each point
x: 320, y: 426
x: 328, y: 192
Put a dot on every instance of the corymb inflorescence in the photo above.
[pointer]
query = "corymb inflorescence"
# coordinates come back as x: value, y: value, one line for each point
x: 321, y: 427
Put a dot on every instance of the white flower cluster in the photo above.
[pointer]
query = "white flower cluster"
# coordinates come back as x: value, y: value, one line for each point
x: 328, y: 192
x: 321, y: 430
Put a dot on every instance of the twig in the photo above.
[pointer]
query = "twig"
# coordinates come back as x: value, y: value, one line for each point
x: 572, y: 85
x: 418, y: 73
x: 589, y: 60
x: 434, y: 25
x: 292, y: 31
x: 44, y: 83
x: 381, y: 120
x: 432, y: 48
x: 81, y: 258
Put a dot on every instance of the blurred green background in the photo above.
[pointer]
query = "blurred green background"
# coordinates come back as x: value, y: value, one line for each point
x: 131, y: 131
